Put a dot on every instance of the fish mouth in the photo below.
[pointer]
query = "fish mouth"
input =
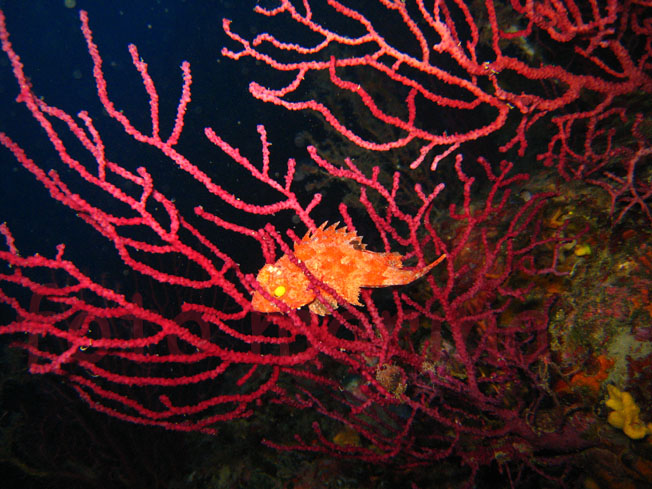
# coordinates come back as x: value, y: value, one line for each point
x: 260, y: 304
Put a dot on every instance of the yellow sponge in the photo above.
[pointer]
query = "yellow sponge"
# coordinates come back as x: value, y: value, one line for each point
x: 625, y: 414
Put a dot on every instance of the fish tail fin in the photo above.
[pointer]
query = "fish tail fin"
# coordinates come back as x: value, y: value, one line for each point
x: 395, y: 275
x: 427, y: 268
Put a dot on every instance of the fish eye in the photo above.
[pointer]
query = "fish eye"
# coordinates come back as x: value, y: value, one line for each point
x: 279, y: 291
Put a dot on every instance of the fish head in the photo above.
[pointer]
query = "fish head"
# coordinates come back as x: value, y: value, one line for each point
x: 284, y: 281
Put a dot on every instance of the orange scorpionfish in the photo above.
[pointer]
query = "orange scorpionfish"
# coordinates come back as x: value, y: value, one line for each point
x: 339, y: 259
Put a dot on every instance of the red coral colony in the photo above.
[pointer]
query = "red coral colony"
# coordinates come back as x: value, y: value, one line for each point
x: 509, y: 141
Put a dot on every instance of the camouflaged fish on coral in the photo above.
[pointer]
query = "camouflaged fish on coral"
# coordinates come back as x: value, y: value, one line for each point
x: 338, y: 258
